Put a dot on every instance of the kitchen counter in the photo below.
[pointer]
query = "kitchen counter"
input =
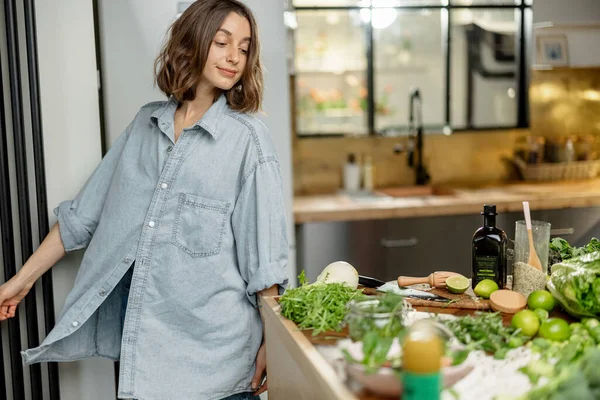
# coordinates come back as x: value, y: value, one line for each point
x: 447, y: 201
x: 303, y: 367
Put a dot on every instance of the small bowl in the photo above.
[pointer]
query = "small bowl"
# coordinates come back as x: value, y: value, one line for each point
x: 385, y: 382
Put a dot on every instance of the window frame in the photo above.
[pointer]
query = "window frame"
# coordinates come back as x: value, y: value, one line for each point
x: 446, y: 8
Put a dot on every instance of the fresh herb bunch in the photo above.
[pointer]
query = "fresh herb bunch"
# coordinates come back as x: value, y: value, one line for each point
x: 484, y: 331
x: 321, y: 307
x: 382, y: 314
x: 585, y: 335
x: 570, y: 368
x: 579, y: 380
x: 567, y: 251
x: 375, y: 353
x: 377, y: 334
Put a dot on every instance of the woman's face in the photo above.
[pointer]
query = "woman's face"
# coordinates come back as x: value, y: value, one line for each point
x: 228, y: 53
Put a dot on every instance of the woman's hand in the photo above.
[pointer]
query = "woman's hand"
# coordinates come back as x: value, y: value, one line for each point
x: 261, y: 371
x: 11, y: 294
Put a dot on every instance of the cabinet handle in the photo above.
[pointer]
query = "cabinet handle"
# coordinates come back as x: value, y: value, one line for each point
x: 560, y: 232
x: 393, y: 243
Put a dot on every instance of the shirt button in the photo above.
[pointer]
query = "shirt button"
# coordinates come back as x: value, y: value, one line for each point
x: 74, y: 324
x: 102, y: 293
x: 164, y: 186
x: 169, y: 149
x: 151, y: 224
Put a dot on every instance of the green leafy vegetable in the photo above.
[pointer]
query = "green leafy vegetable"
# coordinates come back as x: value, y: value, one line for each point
x: 566, y: 251
x: 376, y: 322
x: 321, y: 307
x: 381, y: 313
x: 485, y: 331
x: 567, y: 379
x: 575, y: 283
x: 570, y: 367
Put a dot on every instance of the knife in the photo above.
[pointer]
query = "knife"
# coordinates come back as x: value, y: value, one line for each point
x: 392, y: 286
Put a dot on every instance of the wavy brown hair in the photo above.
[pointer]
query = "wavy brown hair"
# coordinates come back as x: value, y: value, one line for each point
x: 179, y: 65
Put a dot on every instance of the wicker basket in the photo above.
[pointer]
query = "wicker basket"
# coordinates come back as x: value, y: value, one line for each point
x: 575, y: 170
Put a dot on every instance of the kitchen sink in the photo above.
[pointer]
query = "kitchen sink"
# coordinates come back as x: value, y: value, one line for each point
x: 415, y: 191
x: 390, y: 193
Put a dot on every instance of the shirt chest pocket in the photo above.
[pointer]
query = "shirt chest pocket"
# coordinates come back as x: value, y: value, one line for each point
x: 199, y: 225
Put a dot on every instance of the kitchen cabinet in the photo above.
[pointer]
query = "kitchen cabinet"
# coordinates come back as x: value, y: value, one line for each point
x: 388, y: 248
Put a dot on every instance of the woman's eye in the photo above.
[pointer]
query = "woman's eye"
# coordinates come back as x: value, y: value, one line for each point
x: 244, y: 51
x: 220, y: 44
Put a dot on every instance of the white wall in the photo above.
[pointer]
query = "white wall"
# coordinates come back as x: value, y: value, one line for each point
x: 273, y: 36
x: 566, y: 10
x: 70, y: 118
x: 582, y: 42
x: 131, y: 34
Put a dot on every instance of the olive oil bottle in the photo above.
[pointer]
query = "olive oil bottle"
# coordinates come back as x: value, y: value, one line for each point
x: 489, y: 250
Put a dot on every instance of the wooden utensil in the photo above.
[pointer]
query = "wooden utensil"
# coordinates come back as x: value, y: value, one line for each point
x: 534, y: 260
x: 436, y: 279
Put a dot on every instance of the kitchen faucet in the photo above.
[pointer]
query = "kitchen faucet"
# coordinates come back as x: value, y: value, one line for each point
x: 416, y: 132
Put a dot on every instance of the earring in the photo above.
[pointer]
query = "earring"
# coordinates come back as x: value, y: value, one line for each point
x: 239, y: 87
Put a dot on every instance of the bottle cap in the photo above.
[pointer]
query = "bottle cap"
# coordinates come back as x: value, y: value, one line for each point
x: 351, y: 158
x: 489, y: 209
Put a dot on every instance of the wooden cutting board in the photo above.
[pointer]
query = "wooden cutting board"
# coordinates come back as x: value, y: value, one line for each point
x: 465, y: 301
x: 461, y: 301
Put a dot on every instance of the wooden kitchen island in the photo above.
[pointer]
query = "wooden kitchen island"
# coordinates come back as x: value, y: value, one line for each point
x: 296, y: 368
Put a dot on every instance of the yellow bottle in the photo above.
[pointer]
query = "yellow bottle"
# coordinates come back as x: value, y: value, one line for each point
x: 422, y: 352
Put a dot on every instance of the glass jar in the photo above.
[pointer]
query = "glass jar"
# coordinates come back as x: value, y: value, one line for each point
x: 368, y: 314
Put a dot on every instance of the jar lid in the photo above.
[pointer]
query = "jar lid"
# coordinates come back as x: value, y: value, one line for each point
x: 507, y: 301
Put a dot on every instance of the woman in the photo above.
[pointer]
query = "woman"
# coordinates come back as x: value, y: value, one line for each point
x: 184, y: 226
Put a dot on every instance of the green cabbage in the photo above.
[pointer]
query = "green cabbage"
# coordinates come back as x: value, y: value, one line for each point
x: 575, y: 283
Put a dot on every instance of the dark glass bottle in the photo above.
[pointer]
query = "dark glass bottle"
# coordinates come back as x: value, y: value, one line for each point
x: 489, y: 250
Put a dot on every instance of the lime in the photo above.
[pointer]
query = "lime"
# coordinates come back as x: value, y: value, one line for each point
x: 541, y: 299
x: 555, y: 329
x: 576, y: 327
x: 541, y: 314
x: 485, y: 288
x: 526, y: 321
x: 515, y: 342
x: 457, y: 284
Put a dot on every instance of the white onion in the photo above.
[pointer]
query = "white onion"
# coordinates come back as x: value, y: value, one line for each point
x: 339, y: 272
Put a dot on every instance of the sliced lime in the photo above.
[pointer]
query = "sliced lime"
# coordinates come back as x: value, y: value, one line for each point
x: 457, y: 284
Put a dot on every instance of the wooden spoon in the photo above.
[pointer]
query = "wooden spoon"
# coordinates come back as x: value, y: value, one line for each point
x: 436, y: 279
x: 534, y: 260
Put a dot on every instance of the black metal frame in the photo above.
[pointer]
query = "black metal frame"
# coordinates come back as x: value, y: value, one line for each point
x: 521, y: 73
x: 104, y: 139
x: 8, y: 255
x: 40, y: 178
x: 15, y: 102
x: 18, y: 122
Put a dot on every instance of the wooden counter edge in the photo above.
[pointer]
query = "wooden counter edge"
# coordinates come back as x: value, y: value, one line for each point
x: 295, y: 368
x: 429, y: 208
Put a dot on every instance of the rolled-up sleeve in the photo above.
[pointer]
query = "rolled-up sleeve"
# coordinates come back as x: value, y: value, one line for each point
x: 259, y: 227
x: 78, y: 218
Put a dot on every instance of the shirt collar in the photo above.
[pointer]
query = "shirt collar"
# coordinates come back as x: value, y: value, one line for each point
x: 164, y: 117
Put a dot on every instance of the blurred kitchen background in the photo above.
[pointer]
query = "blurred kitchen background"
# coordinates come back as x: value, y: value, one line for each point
x: 505, y: 104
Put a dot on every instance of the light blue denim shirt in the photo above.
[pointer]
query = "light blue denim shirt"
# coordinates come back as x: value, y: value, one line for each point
x: 204, y: 221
